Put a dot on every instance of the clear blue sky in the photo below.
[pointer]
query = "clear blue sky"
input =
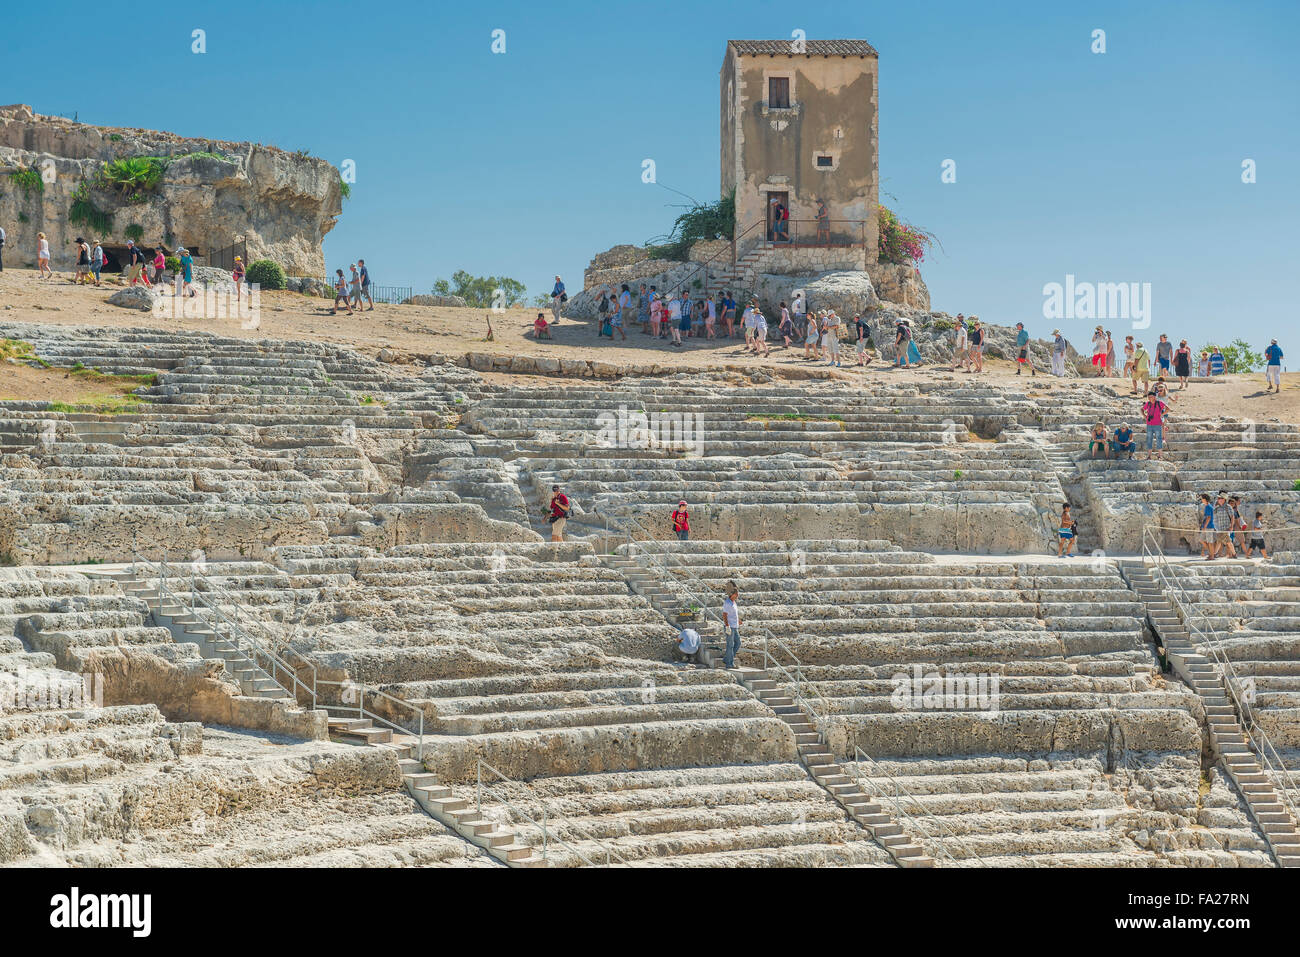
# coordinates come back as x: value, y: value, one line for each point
x: 1115, y: 167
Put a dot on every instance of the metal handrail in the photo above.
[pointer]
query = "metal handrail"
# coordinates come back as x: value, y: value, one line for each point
x: 1188, y: 611
x: 360, y: 709
x: 628, y: 522
x: 861, y: 757
x: 239, y: 636
x: 543, y: 825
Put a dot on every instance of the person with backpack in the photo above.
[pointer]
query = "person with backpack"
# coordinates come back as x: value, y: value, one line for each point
x: 681, y: 521
x: 354, y: 287
x: 799, y: 314
x: 902, y: 339
x: 863, y: 332
x: 97, y: 261
x: 558, y: 509
x: 1155, y: 412
x: 1059, y: 346
x: 558, y: 298
x: 1067, y: 533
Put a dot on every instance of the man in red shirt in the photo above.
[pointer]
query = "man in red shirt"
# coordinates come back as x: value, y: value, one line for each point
x: 681, y: 521
x: 559, y: 513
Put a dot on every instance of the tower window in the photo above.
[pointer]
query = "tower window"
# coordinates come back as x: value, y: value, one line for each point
x: 778, y: 93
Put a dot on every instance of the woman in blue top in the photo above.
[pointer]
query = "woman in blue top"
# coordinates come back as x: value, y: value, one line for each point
x: 187, y: 272
x: 1273, y: 370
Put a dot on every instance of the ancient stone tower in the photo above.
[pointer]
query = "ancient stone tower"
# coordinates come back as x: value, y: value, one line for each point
x: 799, y: 124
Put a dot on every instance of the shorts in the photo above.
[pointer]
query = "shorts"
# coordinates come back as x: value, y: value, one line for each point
x: 1257, y: 543
x: 862, y: 347
x: 1164, y: 364
x: 1099, y: 359
x: 1065, y: 533
x: 1207, y: 536
x: 133, y: 273
x: 684, y: 324
x: 1143, y: 374
x: 1223, y: 537
x: 1024, y: 356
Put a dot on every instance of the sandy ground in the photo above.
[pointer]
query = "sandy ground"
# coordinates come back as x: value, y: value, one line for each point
x: 415, y: 331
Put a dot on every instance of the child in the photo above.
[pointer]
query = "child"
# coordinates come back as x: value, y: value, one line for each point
x: 1066, y: 533
x: 1256, y: 540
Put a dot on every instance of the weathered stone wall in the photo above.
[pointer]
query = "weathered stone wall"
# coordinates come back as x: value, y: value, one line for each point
x: 281, y: 203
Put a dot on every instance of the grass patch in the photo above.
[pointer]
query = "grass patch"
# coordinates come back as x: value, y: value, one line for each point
x: 103, y: 405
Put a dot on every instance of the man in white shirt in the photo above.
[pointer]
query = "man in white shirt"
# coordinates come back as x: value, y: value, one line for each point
x: 674, y: 308
x: 688, y: 642
x: 731, y: 611
x: 799, y: 310
x: 961, y: 352
x: 747, y: 322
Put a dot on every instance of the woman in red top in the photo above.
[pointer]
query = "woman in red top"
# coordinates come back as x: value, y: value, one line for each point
x: 237, y: 275
x: 682, y: 521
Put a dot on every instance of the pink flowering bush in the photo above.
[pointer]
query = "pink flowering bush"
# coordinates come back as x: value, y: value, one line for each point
x: 900, y: 242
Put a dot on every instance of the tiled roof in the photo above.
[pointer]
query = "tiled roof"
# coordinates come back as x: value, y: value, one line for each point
x: 811, y: 47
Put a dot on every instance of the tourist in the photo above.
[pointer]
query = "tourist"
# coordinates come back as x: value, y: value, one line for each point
x: 1097, y: 441
x: 673, y: 318
x: 729, y: 314
x: 184, y: 282
x: 1217, y: 365
x: 747, y: 324
x: 812, y: 337
x: 1203, y: 369
x: 365, y: 287
x: 656, y: 314
x: 681, y: 521
x: 1165, y: 354
x: 731, y: 614
x: 961, y: 347
x: 43, y: 257
x: 1099, y: 351
x: 684, y: 319
x: 1154, y: 412
x: 1209, y: 544
x: 354, y: 287
x: 643, y: 306
x: 1238, y: 523
x: 1273, y: 369
x: 237, y: 276
x: 602, y: 310
x: 619, y: 307
x: 1183, y: 364
x: 823, y: 224
x: 687, y: 643
x: 160, y: 266
x: 97, y: 261
x: 1059, y: 345
x: 558, y: 298
x: 710, y: 317
x: 760, y: 332
x: 902, y: 338
x: 1139, y: 367
x: 2, y: 249
x: 786, y: 328
x: 863, y: 332
x: 1066, y: 533
x: 557, y: 510
x: 1122, y: 442
x: 977, y: 344
x: 541, y: 328
x: 341, y: 292
x: 135, y: 263
x: 799, y: 314
x: 83, y: 261
x: 1022, y: 347
x: 1223, y: 525
x: 832, y: 338
x: 1256, y: 541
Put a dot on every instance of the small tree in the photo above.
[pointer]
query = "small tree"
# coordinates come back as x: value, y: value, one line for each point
x: 482, y: 292
x: 1238, y: 356
x: 266, y: 273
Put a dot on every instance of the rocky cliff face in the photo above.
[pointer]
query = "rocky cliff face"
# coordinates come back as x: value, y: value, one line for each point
x: 212, y: 193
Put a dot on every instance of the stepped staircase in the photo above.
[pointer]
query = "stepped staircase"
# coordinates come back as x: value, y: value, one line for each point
x: 740, y: 276
x: 434, y: 799
x: 1071, y: 479
x: 644, y: 572
x: 1228, y: 739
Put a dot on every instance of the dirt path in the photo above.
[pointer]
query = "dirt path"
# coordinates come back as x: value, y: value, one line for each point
x: 413, y: 331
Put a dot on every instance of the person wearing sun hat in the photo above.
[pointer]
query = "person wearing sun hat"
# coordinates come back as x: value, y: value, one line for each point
x: 1273, y: 370
x: 681, y: 521
x: 1059, y: 347
x: 237, y: 274
x: 1099, y: 349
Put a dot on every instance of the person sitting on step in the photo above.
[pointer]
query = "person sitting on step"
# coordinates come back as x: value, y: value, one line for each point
x: 688, y: 643
x: 1122, y: 442
x: 1097, y: 441
x: 541, y: 328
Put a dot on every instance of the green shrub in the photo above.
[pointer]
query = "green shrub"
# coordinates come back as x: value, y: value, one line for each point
x: 711, y: 221
x: 84, y: 213
x: 266, y: 273
x: 943, y: 325
x: 134, y: 174
x: 22, y: 217
x: 28, y: 180
x: 134, y: 231
x: 345, y: 188
x: 173, y: 264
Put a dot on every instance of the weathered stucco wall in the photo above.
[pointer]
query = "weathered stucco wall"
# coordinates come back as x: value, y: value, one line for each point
x: 833, y: 109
